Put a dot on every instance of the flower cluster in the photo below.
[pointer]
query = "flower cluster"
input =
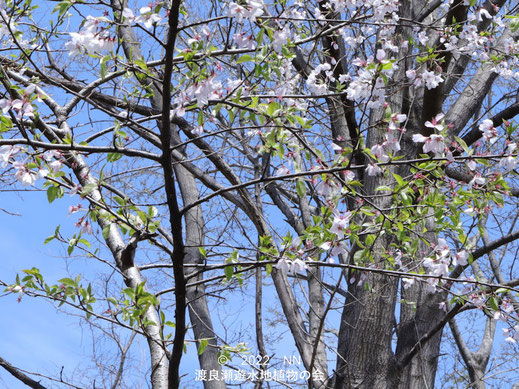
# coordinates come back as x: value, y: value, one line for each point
x: 250, y: 11
x: 433, y: 143
x: 202, y: 91
x: 91, y: 39
x: 291, y: 261
x: 391, y: 143
x: 439, y: 264
x: 23, y: 106
x: 147, y: 16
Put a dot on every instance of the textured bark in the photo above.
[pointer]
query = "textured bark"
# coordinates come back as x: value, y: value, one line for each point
x: 365, y: 358
x: 196, y: 298
x: 124, y: 258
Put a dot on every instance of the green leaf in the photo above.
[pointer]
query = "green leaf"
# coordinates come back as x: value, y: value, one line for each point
x: 301, y: 188
x: 399, y: 179
x: 462, y: 143
x: 229, y: 270
x: 120, y: 200
x: 88, y: 188
x: 492, y: 301
x: 153, y: 211
x: 68, y: 282
x: 272, y: 107
x: 52, y: 193
x: 103, y: 69
x: 112, y: 157
x: 141, y: 64
x: 245, y: 58
x: 85, y: 242
x: 202, y: 346
x: 106, y: 231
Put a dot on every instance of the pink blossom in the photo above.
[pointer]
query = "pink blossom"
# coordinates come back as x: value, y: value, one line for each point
x: 74, y: 208
x: 236, y: 11
x: 327, y: 188
x: 508, y: 163
x: 436, y: 122
x: 407, y: 282
x: 348, y: 175
x: 128, y: 14
x: 84, y: 224
x: 431, y: 79
x: 282, y: 171
x: 379, y: 152
x: 245, y: 41
x: 477, y: 180
x: 55, y: 166
x: 433, y: 143
x: 148, y: 17
x: 290, y: 266
x: 338, y: 248
x: 198, y: 130
x: 74, y: 189
x: 23, y: 174
x: 381, y: 55
x: 488, y: 130
x: 373, y: 170
x: 6, y: 152
x: 340, y: 224
x: 462, y: 258
x: 251, y: 11
x: 442, y: 248
x: 280, y: 38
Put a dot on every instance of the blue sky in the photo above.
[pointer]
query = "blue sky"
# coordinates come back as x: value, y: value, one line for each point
x: 34, y: 336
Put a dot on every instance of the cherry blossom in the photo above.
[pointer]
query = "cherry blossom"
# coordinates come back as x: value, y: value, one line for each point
x: 74, y: 208
x: 462, y: 258
x: 252, y: 10
x: 436, y: 122
x: 290, y: 266
x: 75, y: 189
x: 7, y: 152
x: 84, y: 225
x: 327, y: 188
x: 431, y: 79
x: 508, y: 163
x: 128, y: 15
x: 337, y: 248
x: 26, y: 176
x: 433, y: 143
x: 280, y: 38
x: 197, y: 130
x: 245, y: 41
x: 148, y: 17
x: 87, y: 41
x: 379, y: 152
x: 282, y: 171
x: 442, y: 248
x: 477, y: 180
x: 407, y: 282
x: 315, y: 84
x: 340, y: 224
x: 348, y: 175
x: 488, y: 130
x: 373, y: 170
